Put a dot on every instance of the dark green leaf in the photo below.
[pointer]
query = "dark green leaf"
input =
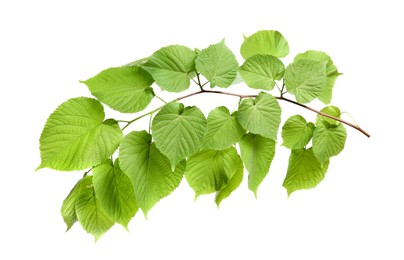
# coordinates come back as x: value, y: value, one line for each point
x: 223, y: 129
x: 328, y: 140
x: 170, y: 67
x: 332, y: 111
x: 148, y: 169
x: 234, y: 181
x: 265, y: 42
x: 331, y: 72
x: 257, y: 153
x: 178, y: 131
x: 304, y: 171
x: 126, y: 89
x: 68, y: 209
x: 76, y: 138
x: 296, y: 132
x: 115, y: 192
x: 209, y: 171
x: 218, y: 64
x: 91, y: 215
x: 261, y: 71
x: 305, y: 79
x: 261, y: 115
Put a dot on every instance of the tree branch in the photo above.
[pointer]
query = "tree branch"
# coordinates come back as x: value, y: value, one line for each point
x: 279, y: 98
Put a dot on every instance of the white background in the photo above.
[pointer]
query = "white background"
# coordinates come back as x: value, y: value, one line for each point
x: 355, y: 213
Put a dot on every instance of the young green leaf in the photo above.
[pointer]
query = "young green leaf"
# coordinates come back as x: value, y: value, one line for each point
x: 305, y: 79
x: 261, y: 115
x: 223, y: 129
x: 265, y: 42
x: 209, y: 171
x: 328, y: 140
x: 304, y: 170
x: 115, y: 192
x: 261, y: 71
x: 170, y: 67
x: 332, y: 111
x: 257, y: 153
x: 234, y: 182
x: 68, y: 209
x: 178, y: 131
x: 296, y: 132
x: 126, y: 89
x: 331, y: 72
x: 218, y: 64
x: 91, y: 215
x: 148, y: 169
x: 76, y: 138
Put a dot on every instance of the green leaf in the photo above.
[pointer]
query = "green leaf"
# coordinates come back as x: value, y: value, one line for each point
x: 261, y: 71
x: 332, y: 111
x: 257, y: 153
x: 178, y: 131
x: 265, y: 42
x: 261, y: 115
x: 305, y: 79
x: 234, y: 182
x: 331, y: 72
x: 296, y: 132
x: 76, y: 138
x: 223, y: 129
x: 91, y: 215
x: 68, y: 209
x: 328, y: 140
x: 148, y: 169
x: 170, y: 67
x: 209, y: 171
x: 304, y: 170
x: 218, y: 64
x: 126, y: 89
x: 115, y: 191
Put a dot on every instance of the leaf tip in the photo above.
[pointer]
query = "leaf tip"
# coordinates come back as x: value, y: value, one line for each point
x: 41, y: 166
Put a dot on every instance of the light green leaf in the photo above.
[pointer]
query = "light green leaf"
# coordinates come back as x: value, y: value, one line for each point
x: 178, y: 131
x: 265, y: 42
x: 115, y: 192
x: 209, y: 171
x: 305, y: 79
x: 296, y: 132
x: 68, y: 209
x: 261, y: 71
x: 148, y: 169
x: 261, y: 115
x: 328, y: 140
x: 126, y: 89
x: 218, y: 64
x: 331, y: 71
x: 257, y: 153
x: 234, y: 182
x: 332, y: 111
x: 76, y: 138
x: 91, y: 215
x: 223, y: 129
x: 170, y: 67
x: 304, y: 170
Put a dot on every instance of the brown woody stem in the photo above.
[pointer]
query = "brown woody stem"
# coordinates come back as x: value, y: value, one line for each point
x: 279, y: 98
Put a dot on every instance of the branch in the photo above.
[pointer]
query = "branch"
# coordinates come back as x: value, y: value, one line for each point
x: 326, y: 115
x: 279, y: 98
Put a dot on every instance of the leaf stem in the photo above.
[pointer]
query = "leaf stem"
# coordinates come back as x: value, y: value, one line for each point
x: 139, y: 117
x: 85, y: 174
x: 199, y: 81
x: 165, y: 102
